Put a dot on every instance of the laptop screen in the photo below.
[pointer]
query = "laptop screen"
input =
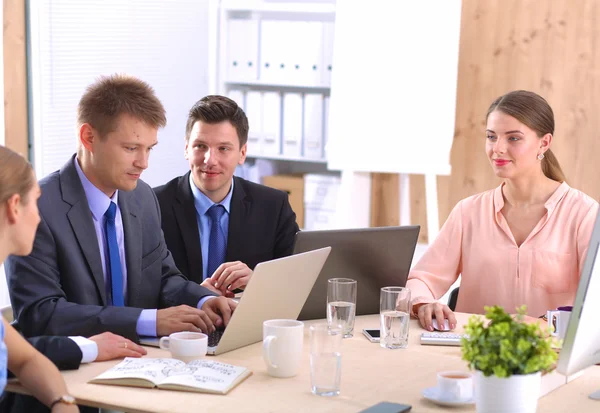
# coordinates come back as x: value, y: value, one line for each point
x: 374, y: 257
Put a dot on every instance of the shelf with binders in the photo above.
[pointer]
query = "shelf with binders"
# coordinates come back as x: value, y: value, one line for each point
x: 263, y: 85
x: 285, y: 124
x: 275, y: 61
x: 282, y: 52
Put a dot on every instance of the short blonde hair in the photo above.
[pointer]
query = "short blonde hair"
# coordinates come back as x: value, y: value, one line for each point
x: 109, y: 97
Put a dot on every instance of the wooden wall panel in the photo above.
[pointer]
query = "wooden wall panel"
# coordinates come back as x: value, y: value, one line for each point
x: 551, y: 47
x: 15, y: 76
x: 385, y: 201
x: 385, y: 204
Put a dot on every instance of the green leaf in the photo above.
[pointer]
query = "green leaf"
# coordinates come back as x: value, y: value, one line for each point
x: 507, y: 345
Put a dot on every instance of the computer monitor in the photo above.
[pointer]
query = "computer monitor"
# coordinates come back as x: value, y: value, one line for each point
x: 581, y: 346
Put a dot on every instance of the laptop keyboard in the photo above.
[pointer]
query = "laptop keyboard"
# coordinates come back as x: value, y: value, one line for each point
x: 215, y: 337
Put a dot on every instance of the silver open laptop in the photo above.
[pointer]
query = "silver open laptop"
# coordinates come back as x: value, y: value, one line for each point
x: 374, y: 257
x: 277, y: 289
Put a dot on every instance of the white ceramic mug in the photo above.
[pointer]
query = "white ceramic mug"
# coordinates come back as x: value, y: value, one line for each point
x: 455, y: 385
x: 558, y: 321
x: 185, y: 346
x: 282, y: 346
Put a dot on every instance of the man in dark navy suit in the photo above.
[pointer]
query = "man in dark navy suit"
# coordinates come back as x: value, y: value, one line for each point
x: 217, y: 226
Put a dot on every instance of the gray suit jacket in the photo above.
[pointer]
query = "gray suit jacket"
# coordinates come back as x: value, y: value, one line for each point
x: 59, y: 288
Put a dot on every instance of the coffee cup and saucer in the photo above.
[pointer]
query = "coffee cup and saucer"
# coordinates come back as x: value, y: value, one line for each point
x: 454, y: 388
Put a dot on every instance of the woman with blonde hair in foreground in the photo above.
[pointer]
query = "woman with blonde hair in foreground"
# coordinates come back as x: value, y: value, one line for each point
x: 524, y: 242
x: 19, y: 219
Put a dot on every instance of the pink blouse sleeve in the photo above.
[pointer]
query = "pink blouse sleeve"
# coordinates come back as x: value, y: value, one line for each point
x: 584, y: 233
x: 439, y: 267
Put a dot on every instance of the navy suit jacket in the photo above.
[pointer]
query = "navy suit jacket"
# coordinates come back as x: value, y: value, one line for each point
x: 63, y: 352
x: 262, y: 225
x: 59, y: 288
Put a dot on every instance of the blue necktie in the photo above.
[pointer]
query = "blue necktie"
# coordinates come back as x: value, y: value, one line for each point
x: 114, y: 259
x: 216, y: 242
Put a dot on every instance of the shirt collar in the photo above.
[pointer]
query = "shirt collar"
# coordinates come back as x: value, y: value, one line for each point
x: 203, y: 203
x: 98, y: 201
x: 550, y: 204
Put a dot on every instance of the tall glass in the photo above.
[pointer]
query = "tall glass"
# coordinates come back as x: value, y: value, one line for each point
x: 341, y: 304
x: 325, y: 359
x: 395, y: 315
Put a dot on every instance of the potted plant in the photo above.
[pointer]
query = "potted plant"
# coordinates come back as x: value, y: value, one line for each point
x: 508, y: 357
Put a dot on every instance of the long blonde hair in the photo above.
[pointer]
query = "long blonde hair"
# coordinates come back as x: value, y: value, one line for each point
x: 533, y: 111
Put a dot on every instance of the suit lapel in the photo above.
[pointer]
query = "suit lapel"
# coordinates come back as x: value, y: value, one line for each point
x: 186, y: 216
x: 82, y: 223
x: 132, y: 231
x: 238, y: 214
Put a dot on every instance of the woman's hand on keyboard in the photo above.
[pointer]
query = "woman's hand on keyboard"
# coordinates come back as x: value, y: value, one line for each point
x: 426, y: 312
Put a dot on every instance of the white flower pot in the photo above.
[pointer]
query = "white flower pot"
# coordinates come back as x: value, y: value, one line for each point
x: 514, y: 394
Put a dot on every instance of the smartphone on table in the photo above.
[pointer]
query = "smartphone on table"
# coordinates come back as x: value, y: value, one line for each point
x: 372, y: 335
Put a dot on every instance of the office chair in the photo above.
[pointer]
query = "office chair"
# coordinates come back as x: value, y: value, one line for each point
x: 453, y: 298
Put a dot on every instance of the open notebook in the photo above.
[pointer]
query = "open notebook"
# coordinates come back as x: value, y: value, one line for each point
x: 196, y: 376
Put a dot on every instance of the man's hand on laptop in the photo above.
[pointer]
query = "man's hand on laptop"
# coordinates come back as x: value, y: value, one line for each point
x: 230, y: 276
x: 112, y: 346
x: 209, y: 283
x: 183, y: 318
x: 219, y: 310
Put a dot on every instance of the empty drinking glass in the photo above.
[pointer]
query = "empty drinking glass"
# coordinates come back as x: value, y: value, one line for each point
x: 341, y: 304
x: 325, y: 359
x: 395, y: 315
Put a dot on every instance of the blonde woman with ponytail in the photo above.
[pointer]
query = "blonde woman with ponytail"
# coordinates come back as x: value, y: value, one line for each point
x: 19, y: 218
x: 522, y: 243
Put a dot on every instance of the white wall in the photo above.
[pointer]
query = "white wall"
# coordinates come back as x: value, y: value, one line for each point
x: 74, y: 42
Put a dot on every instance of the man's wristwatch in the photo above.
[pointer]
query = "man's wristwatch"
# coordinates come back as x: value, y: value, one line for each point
x: 64, y: 399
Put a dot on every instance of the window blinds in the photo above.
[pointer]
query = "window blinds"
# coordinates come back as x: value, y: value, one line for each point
x: 73, y: 42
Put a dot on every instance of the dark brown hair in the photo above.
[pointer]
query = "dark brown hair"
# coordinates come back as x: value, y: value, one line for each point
x: 533, y: 111
x: 216, y: 109
x: 16, y: 175
x: 109, y: 97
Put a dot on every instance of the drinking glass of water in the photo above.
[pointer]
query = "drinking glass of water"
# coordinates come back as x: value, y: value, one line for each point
x: 341, y: 304
x: 395, y: 315
x: 325, y: 359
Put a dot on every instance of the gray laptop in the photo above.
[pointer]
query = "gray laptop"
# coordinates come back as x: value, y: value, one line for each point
x: 277, y: 289
x: 374, y: 257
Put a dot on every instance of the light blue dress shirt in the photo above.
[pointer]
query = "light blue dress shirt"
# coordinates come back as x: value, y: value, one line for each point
x: 3, y: 359
x: 202, y: 204
x: 99, y: 202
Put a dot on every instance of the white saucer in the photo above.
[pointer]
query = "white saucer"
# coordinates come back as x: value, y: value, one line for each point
x: 431, y: 393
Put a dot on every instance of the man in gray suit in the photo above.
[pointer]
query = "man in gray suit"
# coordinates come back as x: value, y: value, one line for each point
x: 99, y: 261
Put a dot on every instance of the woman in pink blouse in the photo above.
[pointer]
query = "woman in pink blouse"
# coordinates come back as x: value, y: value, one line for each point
x: 522, y: 243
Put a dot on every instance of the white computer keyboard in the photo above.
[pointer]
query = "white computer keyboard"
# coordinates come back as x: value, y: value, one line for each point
x: 440, y: 338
